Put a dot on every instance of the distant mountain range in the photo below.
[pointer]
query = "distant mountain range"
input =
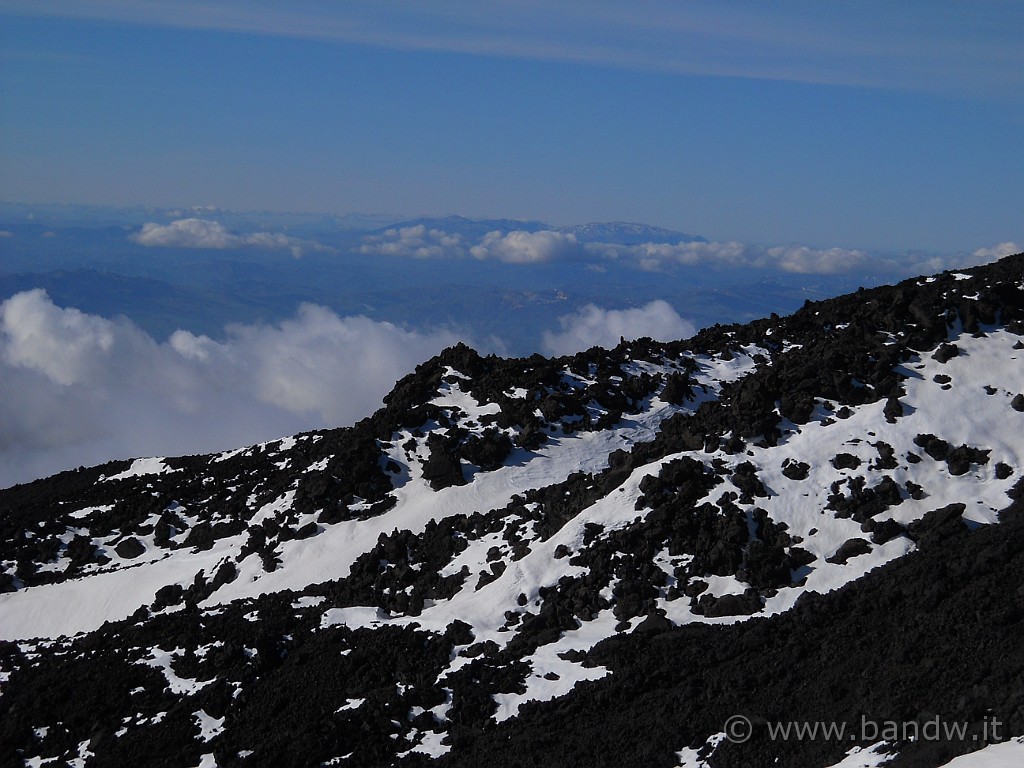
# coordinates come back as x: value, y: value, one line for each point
x: 661, y: 554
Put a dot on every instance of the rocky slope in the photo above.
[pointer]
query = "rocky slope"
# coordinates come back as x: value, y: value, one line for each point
x: 591, y: 560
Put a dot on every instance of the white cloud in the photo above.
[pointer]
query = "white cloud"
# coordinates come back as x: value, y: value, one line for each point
x: 519, y: 247
x: 919, y: 264
x: 996, y: 252
x: 204, y: 233
x: 525, y: 248
x: 81, y: 389
x: 814, y: 261
x: 592, y: 326
x: 415, y: 242
x: 515, y: 247
x: 62, y: 345
x: 800, y: 259
x: 186, y: 233
x: 654, y: 256
x: 797, y: 259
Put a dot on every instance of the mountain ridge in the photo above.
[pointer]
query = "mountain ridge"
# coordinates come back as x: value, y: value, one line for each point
x: 518, y: 520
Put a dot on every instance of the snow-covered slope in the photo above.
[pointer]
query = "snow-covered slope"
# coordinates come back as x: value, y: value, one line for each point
x: 535, y: 552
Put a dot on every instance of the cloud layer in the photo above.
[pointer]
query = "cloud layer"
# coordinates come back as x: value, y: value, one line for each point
x: 592, y: 326
x: 521, y: 247
x: 515, y: 247
x: 81, y: 389
x: 800, y: 259
x: 204, y: 233
x: 416, y: 242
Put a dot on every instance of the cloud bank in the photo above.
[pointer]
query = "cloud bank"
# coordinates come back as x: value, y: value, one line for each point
x: 996, y: 252
x: 800, y: 259
x: 204, y: 233
x: 592, y: 326
x: 520, y: 247
x: 525, y: 248
x: 415, y: 242
x: 82, y: 389
x: 515, y: 247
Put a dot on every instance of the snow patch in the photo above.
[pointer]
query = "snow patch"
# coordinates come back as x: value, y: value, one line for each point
x: 1006, y: 754
x: 141, y: 467
x: 209, y: 727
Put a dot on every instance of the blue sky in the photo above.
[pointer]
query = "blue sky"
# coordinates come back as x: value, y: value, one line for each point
x: 864, y: 125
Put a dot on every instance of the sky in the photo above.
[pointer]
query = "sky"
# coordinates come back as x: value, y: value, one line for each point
x: 878, y: 125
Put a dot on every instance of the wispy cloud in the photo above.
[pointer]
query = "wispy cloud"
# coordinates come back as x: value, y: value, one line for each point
x: 799, y: 259
x: 986, y: 255
x: 796, y: 259
x: 943, y: 47
x: 203, y: 233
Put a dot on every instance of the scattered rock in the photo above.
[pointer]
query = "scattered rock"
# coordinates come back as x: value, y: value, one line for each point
x: 795, y: 470
x: 129, y: 548
x: 946, y: 352
x: 845, y: 461
x: 729, y: 605
x: 849, y: 549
